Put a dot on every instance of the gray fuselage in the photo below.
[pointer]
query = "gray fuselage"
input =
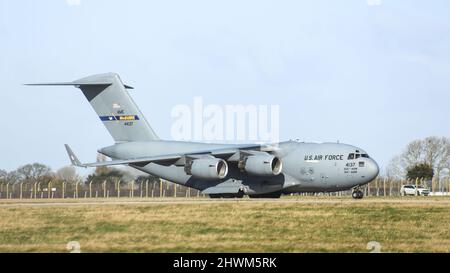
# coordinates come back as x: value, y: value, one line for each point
x: 307, y: 167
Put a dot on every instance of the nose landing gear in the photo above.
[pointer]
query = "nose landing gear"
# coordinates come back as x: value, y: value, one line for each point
x: 357, y: 193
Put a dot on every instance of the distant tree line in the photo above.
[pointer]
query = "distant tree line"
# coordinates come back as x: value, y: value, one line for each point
x: 37, y: 172
x: 422, y: 159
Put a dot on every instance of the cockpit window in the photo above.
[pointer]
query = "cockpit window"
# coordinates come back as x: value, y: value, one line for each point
x: 356, y: 155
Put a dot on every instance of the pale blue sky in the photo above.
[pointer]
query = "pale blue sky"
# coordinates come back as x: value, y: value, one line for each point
x: 374, y: 76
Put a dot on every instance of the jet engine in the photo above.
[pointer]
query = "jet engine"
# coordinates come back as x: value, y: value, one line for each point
x: 262, y: 165
x: 207, y: 168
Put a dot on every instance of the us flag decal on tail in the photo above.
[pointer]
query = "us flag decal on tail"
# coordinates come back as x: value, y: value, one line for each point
x: 119, y: 118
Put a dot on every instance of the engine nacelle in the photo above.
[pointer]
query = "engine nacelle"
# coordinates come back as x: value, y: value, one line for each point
x: 207, y: 168
x: 262, y: 165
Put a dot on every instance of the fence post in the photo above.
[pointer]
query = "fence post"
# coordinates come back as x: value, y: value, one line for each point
x: 384, y: 187
x: 7, y: 190
x: 21, y: 189
x: 104, y: 189
x: 433, y: 184
x: 39, y: 188
x: 63, y: 189
x: 160, y: 187
x: 132, y: 189
x: 140, y: 188
x: 390, y: 187
x: 118, y: 188
x: 175, y: 190
x: 378, y: 186
x: 448, y: 186
x: 49, y: 189
x: 417, y: 183
x: 146, y: 188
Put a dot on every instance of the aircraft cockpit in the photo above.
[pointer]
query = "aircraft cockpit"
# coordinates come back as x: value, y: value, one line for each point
x: 357, y: 154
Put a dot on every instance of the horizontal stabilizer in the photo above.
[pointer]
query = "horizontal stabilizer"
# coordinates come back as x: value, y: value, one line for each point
x: 73, y: 157
x: 76, y: 84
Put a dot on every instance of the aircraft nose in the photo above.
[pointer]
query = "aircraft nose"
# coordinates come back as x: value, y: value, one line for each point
x: 372, y: 169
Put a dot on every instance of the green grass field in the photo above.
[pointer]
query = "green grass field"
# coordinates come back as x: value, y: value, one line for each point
x: 341, y: 225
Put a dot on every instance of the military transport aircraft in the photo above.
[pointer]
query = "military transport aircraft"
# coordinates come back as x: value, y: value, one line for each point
x: 219, y: 170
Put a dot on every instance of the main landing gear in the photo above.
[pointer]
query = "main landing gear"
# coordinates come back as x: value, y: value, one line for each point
x: 357, y: 193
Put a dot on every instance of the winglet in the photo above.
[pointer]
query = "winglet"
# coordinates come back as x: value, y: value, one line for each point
x: 73, y: 157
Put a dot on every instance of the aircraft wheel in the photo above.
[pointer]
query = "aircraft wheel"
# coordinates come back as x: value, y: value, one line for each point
x: 240, y: 194
x: 360, y: 194
x: 357, y: 194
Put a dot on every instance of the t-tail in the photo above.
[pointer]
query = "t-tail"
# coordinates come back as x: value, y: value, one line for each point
x: 114, y: 106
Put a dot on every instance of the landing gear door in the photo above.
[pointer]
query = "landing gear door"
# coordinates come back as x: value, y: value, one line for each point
x: 324, y: 178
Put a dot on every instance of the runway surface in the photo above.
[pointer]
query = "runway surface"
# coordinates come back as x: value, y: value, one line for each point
x: 199, y: 201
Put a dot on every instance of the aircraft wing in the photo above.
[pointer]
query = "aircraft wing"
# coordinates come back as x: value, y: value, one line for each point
x: 230, y: 154
x: 137, y: 161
